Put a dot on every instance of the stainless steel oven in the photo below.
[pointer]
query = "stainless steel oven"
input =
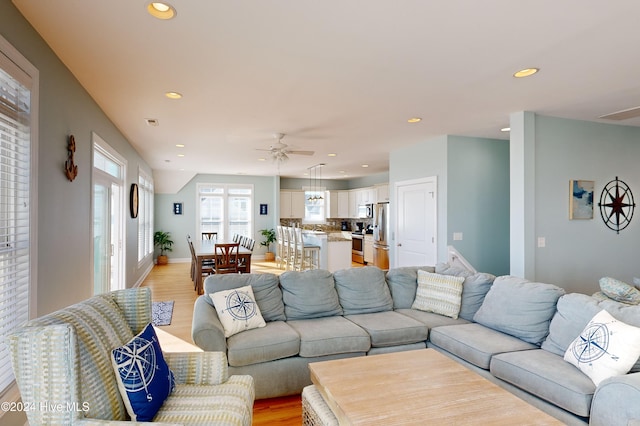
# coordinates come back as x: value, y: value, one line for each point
x: 357, y: 248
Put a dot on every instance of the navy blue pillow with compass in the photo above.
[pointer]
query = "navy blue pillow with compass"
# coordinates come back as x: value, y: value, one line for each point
x: 144, y: 378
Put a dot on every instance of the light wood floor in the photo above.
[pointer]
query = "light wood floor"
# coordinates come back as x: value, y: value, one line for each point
x: 172, y: 282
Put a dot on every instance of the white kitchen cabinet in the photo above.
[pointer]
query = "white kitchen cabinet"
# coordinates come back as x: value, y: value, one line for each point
x: 382, y: 193
x: 368, y: 249
x: 339, y: 204
x: 292, y: 204
x: 353, y: 203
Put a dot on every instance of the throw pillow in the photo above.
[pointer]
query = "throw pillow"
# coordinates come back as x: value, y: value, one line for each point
x: 440, y: 294
x: 143, y: 376
x: 237, y: 310
x: 605, y: 348
x: 619, y: 291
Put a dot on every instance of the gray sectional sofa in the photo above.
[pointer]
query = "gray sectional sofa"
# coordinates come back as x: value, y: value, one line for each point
x: 509, y: 330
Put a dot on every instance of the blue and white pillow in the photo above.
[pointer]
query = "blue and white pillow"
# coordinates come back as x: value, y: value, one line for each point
x: 144, y: 378
x: 605, y: 348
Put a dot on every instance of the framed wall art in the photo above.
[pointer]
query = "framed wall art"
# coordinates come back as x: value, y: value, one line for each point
x: 580, y: 199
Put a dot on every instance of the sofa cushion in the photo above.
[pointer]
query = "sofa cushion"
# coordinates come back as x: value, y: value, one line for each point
x: 330, y: 336
x: 437, y: 293
x: 403, y: 283
x: 547, y: 376
x: 476, y: 343
x: 626, y: 313
x: 606, y: 347
x: 229, y: 403
x: 100, y: 326
x: 390, y: 328
x: 363, y: 290
x: 430, y: 319
x: 266, y: 289
x: 237, y: 310
x: 619, y: 291
x: 274, y: 341
x: 474, y: 288
x: 309, y: 294
x: 520, y: 308
x: 574, y: 311
x: 143, y: 376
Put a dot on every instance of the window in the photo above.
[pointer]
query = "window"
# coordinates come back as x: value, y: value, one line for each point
x: 314, y: 202
x: 145, y: 216
x: 226, y: 209
x: 18, y: 136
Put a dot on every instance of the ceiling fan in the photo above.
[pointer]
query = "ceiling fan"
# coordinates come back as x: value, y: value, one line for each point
x: 280, y: 151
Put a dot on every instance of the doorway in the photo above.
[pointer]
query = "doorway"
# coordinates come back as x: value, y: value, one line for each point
x: 416, y: 222
x: 108, y: 217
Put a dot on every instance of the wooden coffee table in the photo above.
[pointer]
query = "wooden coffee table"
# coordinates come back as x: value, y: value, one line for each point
x: 417, y: 387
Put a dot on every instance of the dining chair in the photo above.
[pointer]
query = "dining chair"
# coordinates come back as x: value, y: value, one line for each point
x: 208, y: 236
x: 207, y: 264
x: 226, y: 258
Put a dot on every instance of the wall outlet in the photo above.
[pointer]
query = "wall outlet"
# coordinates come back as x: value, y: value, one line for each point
x: 457, y: 236
x: 542, y: 242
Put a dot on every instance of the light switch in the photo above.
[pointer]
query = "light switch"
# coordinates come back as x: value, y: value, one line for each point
x: 457, y: 236
x: 542, y: 242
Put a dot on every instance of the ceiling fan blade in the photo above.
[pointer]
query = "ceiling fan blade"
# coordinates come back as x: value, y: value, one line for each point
x: 301, y: 152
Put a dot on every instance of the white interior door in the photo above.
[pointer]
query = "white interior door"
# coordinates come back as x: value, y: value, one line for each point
x: 108, y: 219
x: 416, y: 222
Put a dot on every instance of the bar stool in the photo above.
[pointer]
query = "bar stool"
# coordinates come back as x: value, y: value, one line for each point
x: 308, y: 255
x: 279, y: 247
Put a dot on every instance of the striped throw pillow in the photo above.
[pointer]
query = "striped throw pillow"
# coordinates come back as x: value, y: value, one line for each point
x: 440, y: 294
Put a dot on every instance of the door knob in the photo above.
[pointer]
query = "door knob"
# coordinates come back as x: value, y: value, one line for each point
x: 399, y: 244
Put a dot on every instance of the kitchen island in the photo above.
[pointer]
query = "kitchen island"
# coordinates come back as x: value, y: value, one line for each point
x: 335, y: 249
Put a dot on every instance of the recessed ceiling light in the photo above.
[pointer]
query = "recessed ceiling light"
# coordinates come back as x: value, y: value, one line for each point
x: 505, y: 129
x: 526, y: 72
x: 152, y: 122
x: 173, y: 95
x: 180, y: 155
x: 161, y: 10
x: 365, y: 165
x: 180, y: 145
x: 414, y: 120
x: 333, y: 154
x: 262, y: 159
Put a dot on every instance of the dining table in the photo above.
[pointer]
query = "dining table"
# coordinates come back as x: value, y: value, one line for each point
x: 205, y: 249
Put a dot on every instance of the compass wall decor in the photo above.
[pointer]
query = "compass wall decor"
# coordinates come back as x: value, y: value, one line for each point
x: 616, y: 205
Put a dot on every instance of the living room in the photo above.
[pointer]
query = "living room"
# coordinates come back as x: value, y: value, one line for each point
x: 521, y: 185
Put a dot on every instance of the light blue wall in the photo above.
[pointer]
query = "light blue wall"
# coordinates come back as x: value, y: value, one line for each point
x: 579, y: 252
x: 337, y: 184
x: 478, y: 201
x: 64, y: 208
x: 416, y: 162
x: 266, y: 191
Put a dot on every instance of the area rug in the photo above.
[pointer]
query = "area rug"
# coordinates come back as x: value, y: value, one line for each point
x: 161, y: 312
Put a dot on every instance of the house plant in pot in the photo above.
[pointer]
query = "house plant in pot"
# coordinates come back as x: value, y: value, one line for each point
x: 163, y: 241
x: 269, y: 237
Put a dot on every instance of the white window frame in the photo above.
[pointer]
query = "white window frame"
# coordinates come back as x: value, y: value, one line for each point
x: 225, y: 195
x: 318, y: 191
x: 145, y: 216
x: 15, y: 64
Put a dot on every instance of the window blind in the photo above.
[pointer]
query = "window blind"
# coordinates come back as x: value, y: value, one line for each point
x: 15, y: 227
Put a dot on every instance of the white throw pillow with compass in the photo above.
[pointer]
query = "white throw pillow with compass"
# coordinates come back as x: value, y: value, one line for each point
x: 605, y: 348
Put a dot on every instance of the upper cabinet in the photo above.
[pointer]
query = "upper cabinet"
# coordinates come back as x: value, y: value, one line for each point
x: 382, y: 193
x: 292, y: 204
x: 339, y: 204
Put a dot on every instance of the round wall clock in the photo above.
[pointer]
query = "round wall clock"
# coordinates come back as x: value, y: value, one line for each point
x: 133, y: 200
x: 616, y: 205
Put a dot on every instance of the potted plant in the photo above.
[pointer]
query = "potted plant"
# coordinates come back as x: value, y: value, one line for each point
x: 163, y: 241
x: 269, y: 237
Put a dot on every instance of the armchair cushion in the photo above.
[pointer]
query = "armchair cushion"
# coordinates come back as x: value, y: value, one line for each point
x: 144, y: 378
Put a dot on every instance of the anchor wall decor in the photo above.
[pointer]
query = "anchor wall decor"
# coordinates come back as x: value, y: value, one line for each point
x: 70, y: 169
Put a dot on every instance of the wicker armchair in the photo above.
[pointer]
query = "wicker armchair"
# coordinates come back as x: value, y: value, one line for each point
x: 62, y: 366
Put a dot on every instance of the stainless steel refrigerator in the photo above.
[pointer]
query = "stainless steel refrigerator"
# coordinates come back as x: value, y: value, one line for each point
x: 381, y: 235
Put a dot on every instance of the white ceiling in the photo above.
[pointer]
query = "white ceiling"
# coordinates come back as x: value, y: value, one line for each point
x: 337, y: 76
